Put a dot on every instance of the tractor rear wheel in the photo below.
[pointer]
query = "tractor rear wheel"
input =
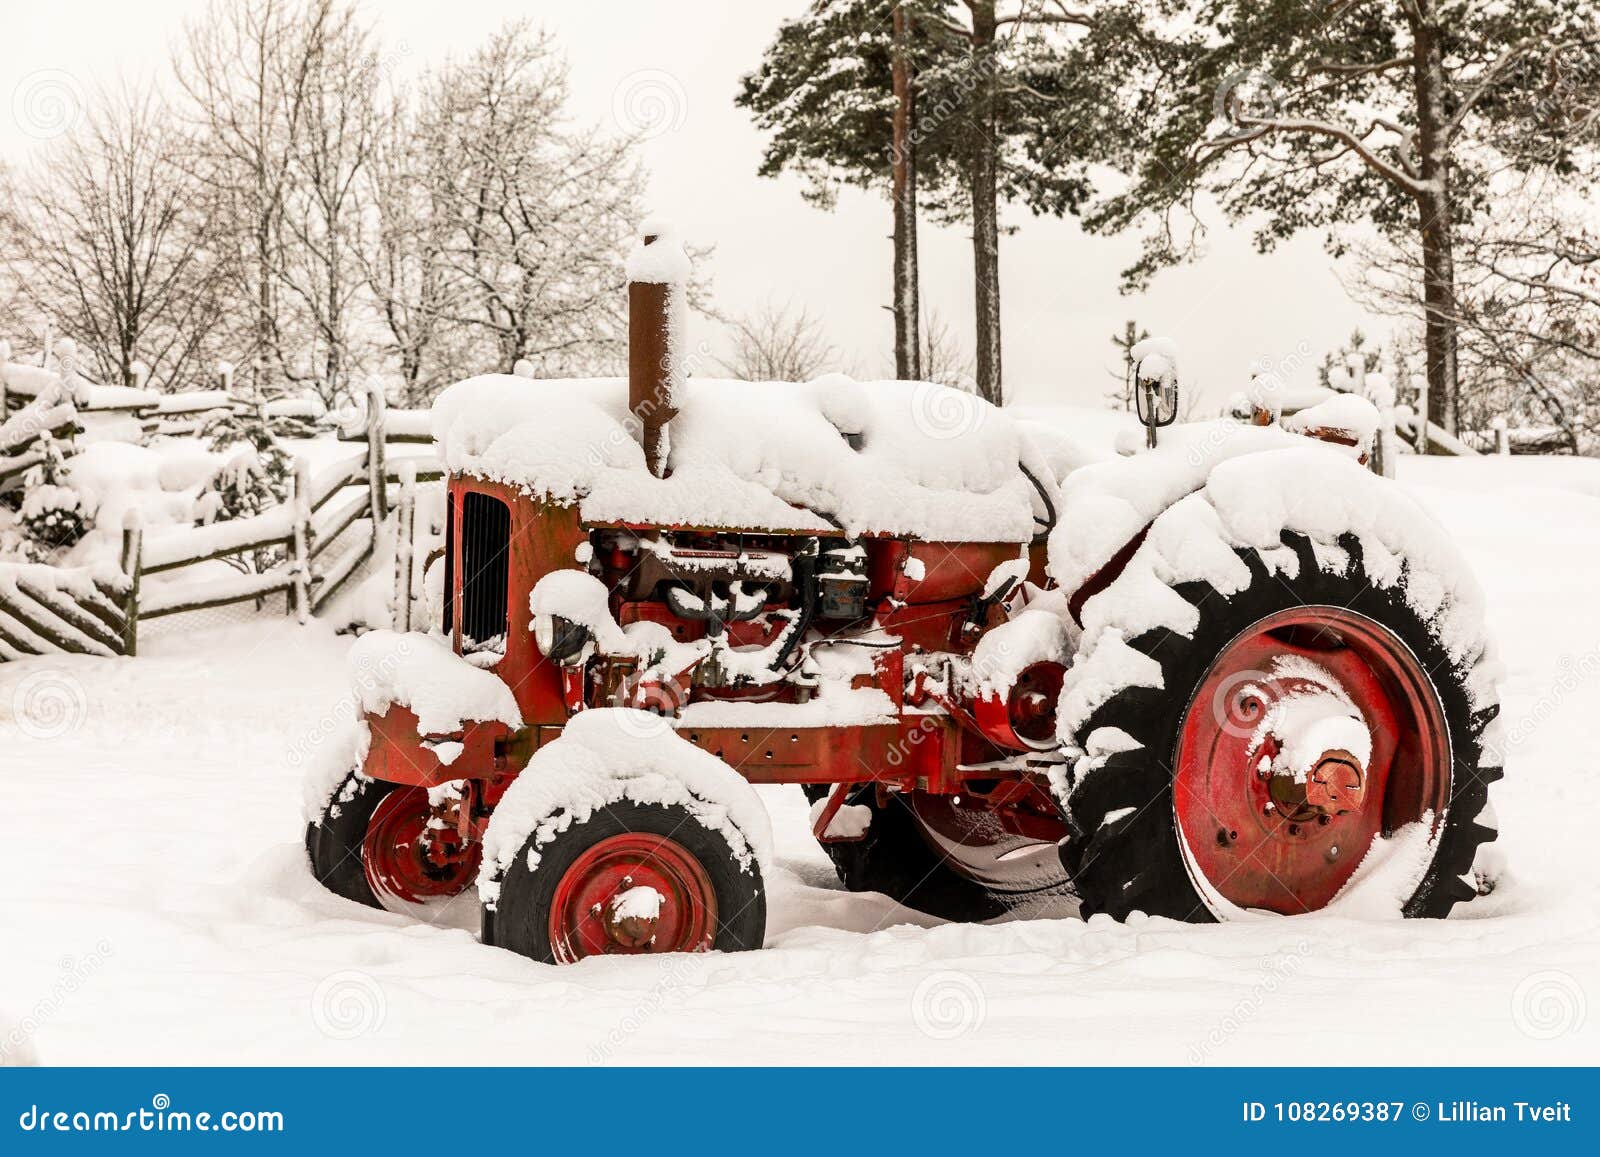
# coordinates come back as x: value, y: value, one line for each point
x: 369, y: 847
x: 1308, y: 721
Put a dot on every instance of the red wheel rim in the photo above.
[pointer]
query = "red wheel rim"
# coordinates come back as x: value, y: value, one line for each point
x: 402, y: 863
x: 583, y: 912
x: 1255, y: 837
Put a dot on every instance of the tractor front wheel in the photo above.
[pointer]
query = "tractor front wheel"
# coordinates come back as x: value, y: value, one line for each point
x: 632, y: 878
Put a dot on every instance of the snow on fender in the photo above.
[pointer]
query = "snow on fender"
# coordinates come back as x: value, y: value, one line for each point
x: 1292, y: 646
x: 617, y: 804
x: 412, y: 670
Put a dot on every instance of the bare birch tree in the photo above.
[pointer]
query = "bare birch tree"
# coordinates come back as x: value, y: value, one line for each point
x: 247, y: 76
x: 539, y: 213
x: 778, y: 344
x: 404, y: 254
x: 322, y: 210
x: 110, y: 242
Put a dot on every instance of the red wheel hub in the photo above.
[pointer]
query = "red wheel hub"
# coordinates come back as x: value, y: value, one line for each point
x: 408, y: 860
x: 633, y: 893
x: 1314, y: 731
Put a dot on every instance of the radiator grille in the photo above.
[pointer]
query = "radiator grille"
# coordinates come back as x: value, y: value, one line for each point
x: 485, y: 564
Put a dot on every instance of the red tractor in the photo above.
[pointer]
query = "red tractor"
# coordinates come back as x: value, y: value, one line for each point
x: 1234, y: 674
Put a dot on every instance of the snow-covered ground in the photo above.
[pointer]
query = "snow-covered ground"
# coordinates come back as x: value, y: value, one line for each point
x: 157, y: 907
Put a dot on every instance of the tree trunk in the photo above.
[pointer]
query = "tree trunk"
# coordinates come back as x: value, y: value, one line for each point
x: 1439, y: 306
x: 907, y: 343
x: 1436, y: 224
x: 985, y: 211
x: 264, y: 276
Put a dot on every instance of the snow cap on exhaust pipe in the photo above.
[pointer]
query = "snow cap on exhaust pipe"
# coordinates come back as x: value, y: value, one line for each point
x: 658, y: 274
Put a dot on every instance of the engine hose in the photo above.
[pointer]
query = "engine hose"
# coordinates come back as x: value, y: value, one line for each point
x: 1049, y: 507
x: 805, y: 573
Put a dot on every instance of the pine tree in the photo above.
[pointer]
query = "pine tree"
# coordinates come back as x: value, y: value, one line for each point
x: 993, y: 92
x: 1393, y: 113
x: 827, y: 91
x: 53, y: 516
x: 1121, y: 398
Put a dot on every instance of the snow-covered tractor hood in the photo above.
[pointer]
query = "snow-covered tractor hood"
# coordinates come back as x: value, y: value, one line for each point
x: 909, y: 459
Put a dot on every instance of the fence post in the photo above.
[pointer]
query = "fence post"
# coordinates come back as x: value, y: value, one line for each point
x: 5, y: 356
x: 132, y: 540
x: 1422, y: 416
x: 1502, y: 436
x: 404, y: 529
x: 302, y: 555
x: 376, y: 468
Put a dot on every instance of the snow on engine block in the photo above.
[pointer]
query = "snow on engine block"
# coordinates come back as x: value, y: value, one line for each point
x: 846, y: 586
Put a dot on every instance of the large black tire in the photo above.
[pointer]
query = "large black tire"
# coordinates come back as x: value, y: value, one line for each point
x: 896, y: 859
x: 519, y: 920
x: 1135, y: 863
x: 334, y: 845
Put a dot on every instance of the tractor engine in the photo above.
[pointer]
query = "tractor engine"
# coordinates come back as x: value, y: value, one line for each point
x: 696, y: 618
x: 846, y: 664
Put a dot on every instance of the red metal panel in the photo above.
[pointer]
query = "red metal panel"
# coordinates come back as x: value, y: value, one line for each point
x: 950, y: 570
x: 397, y: 754
x: 545, y: 536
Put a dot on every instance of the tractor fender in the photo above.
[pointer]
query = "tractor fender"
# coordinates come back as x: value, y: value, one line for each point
x: 1250, y: 503
x: 1107, y: 508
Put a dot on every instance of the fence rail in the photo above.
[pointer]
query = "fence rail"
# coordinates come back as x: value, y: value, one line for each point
x: 305, y: 527
x: 80, y: 610
x: 45, y: 609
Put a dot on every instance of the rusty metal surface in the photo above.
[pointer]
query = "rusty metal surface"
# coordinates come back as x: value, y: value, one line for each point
x: 650, y: 367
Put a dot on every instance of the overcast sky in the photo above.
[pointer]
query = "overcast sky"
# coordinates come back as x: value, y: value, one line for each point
x: 636, y: 57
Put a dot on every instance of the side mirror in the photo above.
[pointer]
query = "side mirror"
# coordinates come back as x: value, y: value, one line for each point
x: 1153, y: 365
x: 1157, y: 401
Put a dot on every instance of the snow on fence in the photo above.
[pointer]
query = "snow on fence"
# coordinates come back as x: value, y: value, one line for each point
x: 79, y: 610
x: 47, y: 609
x: 306, y: 526
x: 1440, y: 441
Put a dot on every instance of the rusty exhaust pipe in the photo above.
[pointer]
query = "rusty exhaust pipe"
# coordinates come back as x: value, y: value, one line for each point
x: 657, y: 271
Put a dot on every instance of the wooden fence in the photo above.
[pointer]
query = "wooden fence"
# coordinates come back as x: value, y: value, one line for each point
x: 326, y: 529
x: 77, y: 610
x: 322, y: 510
